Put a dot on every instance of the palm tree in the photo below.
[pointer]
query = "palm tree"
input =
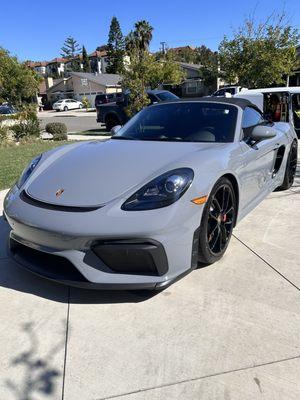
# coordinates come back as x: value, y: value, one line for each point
x: 143, y: 34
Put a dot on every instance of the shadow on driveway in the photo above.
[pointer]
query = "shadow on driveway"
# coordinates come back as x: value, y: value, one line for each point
x: 40, y: 376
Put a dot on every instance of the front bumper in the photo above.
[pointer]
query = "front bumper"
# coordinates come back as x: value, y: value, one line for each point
x: 63, y: 246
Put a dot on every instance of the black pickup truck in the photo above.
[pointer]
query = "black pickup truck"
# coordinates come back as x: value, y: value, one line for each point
x: 112, y: 114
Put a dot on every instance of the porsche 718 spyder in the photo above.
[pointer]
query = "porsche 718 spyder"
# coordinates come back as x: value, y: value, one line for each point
x: 141, y: 210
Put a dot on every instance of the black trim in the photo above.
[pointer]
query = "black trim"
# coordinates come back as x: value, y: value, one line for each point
x: 133, y: 256
x: 195, y: 249
x: 38, y: 203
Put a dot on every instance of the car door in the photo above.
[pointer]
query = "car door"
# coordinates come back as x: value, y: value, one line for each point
x: 257, y: 162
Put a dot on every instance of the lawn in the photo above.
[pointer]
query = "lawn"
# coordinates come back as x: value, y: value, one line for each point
x: 13, y: 159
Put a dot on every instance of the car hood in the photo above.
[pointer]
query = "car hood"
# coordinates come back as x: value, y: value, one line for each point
x: 94, y: 173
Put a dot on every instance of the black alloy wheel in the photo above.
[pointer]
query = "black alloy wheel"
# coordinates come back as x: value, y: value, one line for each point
x: 218, y: 220
x: 291, y: 167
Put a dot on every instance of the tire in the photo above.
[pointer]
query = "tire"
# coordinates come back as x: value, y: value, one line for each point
x: 218, y: 219
x: 66, y: 108
x: 110, y: 122
x: 290, y: 169
x: 80, y: 106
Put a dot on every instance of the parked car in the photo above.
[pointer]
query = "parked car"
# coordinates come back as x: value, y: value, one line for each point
x: 142, y: 209
x: 107, y: 98
x: 279, y: 104
x: 227, y: 90
x: 7, y: 109
x: 66, y: 104
x: 114, y: 114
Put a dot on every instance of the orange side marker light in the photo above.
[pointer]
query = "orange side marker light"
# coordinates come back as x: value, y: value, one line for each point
x: 199, y: 200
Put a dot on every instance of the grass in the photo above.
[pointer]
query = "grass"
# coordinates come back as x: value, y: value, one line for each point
x: 13, y: 159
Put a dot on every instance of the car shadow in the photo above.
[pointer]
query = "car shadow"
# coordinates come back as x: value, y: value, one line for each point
x: 16, y: 278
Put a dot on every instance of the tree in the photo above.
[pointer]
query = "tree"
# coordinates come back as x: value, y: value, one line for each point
x: 18, y: 83
x: 143, y: 34
x: 140, y: 38
x: 70, y: 48
x: 259, y: 55
x: 209, y: 62
x: 146, y: 72
x: 116, y: 48
x: 71, y: 51
x: 85, y: 61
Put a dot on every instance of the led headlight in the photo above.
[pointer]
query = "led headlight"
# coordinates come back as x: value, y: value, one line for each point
x: 161, y: 191
x: 28, y: 171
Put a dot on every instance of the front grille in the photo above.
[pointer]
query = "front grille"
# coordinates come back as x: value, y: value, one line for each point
x: 49, y: 265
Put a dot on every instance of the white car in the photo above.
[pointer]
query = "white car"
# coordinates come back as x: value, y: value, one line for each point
x: 66, y: 104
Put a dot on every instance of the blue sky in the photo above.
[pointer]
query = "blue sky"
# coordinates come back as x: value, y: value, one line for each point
x: 36, y: 30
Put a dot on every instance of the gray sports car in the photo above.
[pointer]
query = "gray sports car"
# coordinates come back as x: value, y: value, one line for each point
x: 143, y: 209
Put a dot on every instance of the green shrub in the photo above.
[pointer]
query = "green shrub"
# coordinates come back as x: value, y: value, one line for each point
x: 60, y: 136
x: 86, y: 103
x: 23, y: 128
x: 56, y: 128
x: 4, y: 117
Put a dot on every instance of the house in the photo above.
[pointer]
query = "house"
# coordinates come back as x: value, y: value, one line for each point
x: 82, y: 84
x: 294, y: 80
x: 56, y: 67
x: 98, y: 60
x: 193, y: 85
x: 38, y: 66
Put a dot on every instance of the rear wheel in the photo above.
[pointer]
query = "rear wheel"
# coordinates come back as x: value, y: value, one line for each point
x: 290, y: 169
x: 111, y: 121
x: 218, y: 219
x: 65, y: 108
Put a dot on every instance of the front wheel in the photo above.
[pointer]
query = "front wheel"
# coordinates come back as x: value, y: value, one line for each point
x: 218, y: 219
x: 80, y: 105
x: 290, y: 169
x: 65, y: 108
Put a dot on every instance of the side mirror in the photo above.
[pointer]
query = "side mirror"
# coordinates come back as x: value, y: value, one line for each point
x: 115, y: 129
x: 260, y: 132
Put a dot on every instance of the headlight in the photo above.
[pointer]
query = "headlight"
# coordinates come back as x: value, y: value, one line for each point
x: 28, y: 171
x: 161, y: 191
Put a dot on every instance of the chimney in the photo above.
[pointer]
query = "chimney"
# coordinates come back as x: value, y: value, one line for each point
x: 49, y: 82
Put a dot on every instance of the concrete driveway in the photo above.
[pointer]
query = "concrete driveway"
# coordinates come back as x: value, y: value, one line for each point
x: 230, y: 331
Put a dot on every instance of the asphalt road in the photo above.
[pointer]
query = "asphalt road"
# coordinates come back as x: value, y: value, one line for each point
x: 77, y: 121
x: 225, y: 332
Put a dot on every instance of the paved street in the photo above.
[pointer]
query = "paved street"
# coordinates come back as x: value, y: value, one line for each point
x: 76, y: 120
x: 225, y: 332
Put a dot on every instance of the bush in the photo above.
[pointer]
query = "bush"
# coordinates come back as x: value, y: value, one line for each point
x: 86, y: 103
x: 56, y: 128
x: 60, y: 136
x: 24, y: 128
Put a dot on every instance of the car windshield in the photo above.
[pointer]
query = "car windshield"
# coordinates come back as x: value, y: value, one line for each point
x: 166, y: 96
x: 182, y: 122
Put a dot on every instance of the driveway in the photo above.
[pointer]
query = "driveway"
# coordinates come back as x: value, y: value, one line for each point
x: 230, y: 331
